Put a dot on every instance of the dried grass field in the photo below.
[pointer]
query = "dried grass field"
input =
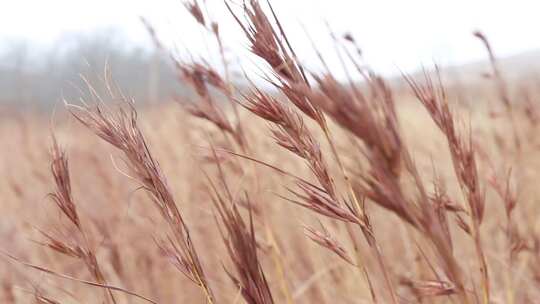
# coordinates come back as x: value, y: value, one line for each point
x: 320, y: 191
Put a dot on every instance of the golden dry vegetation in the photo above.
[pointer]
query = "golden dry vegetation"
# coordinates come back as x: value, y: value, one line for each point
x: 330, y: 193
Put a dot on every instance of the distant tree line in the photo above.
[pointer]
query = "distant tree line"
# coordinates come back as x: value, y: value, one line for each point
x: 42, y: 77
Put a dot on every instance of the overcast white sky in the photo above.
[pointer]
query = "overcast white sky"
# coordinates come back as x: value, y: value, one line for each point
x: 393, y: 33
